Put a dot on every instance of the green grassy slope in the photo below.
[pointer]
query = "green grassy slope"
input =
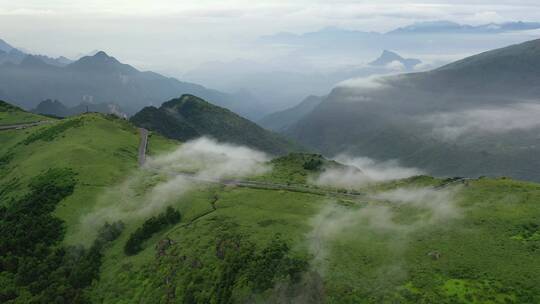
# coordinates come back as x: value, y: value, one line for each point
x: 237, y: 245
x: 10, y: 114
x: 482, y: 259
x: 487, y: 255
x: 295, y: 168
x: 100, y: 149
x: 95, y: 151
x: 189, y: 117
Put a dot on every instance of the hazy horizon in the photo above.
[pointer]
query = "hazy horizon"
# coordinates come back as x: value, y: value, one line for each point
x: 174, y: 37
x: 239, y: 46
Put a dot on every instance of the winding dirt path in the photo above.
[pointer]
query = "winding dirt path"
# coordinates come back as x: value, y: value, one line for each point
x: 265, y: 185
x: 19, y: 126
x: 143, y: 146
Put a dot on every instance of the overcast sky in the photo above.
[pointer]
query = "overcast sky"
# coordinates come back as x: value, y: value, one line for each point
x: 159, y: 33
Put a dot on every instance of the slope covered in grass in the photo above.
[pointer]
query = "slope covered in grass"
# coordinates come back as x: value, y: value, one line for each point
x: 99, y: 149
x: 487, y: 253
x: 10, y: 114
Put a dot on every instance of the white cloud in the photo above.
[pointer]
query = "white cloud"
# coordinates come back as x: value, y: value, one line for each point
x: 379, y: 217
x: 485, y: 17
x: 452, y: 125
x: 364, y: 83
x: 440, y: 202
x: 211, y: 159
x: 396, y: 66
x: 362, y: 171
x: 204, y: 158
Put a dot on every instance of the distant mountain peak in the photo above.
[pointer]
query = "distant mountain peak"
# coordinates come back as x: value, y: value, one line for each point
x: 101, y: 54
x: 102, y: 62
x: 188, y: 102
x: 64, y: 60
x: 388, y: 57
x: 52, y: 107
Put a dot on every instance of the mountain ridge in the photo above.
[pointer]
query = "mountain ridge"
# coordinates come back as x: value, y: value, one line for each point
x: 58, y: 109
x: 281, y: 120
x: 101, y: 62
x: 472, y: 117
x: 427, y: 27
x: 10, y: 54
x: 444, y: 27
x: 189, y: 117
x: 103, y: 79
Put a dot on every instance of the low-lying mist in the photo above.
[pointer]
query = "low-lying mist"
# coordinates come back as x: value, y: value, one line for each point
x: 381, y: 220
x: 440, y: 203
x: 211, y: 159
x: 373, y: 82
x: 489, y: 120
x: 362, y: 171
x: 161, y: 182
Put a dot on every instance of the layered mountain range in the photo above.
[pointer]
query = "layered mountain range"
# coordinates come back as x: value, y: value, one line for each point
x: 58, y: 109
x: 476, y: 116
x: 10, y: 54
x: 100, y: 78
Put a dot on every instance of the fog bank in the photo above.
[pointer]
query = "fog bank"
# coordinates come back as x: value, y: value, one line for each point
x: 362, y: 171
x: 380, y: 218
x: 159, y: 183
x: 494, y: 120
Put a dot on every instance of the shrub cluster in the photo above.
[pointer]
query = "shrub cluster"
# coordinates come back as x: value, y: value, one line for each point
x: 313, y: 164
x: 150, y: 227
x: 33, y: 267
x: 244, y: 266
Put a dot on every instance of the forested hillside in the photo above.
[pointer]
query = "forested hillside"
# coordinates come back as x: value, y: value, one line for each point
x: 189, y: 117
